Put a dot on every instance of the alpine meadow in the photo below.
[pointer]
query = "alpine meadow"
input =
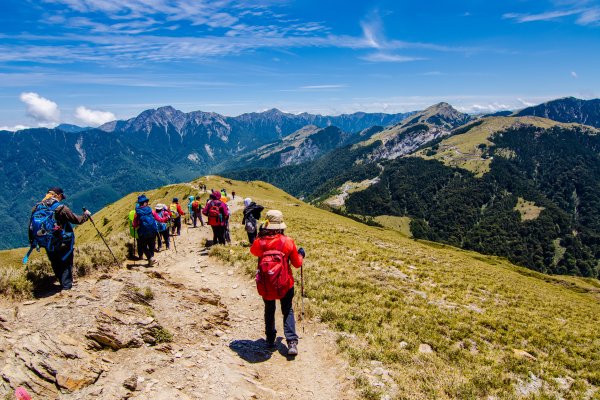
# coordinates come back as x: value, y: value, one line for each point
x: 299, y: 200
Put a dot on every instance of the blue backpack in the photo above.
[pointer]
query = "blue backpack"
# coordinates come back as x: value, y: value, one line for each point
x: 45, y: 232
x: 162, y: 226
x: 148, y: 225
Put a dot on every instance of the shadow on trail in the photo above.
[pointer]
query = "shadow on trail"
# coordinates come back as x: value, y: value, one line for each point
x: 255, y: 351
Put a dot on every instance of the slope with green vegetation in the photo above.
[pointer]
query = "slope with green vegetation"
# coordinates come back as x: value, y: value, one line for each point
x: 443, y: 322
x: 552, y: 167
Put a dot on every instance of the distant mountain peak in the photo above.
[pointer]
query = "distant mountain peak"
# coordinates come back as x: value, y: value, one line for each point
x: 567, y: 109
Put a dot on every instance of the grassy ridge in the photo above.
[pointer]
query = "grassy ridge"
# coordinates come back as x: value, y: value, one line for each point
x: 491, y: 325
x: 479, y: 314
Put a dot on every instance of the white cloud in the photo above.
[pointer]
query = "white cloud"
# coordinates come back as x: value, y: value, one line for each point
x: 44, y: 111
x: 585, y: 15
x: 526, y: 103
x: 483, y: 108
x: 574, y: 74
x: 14, y: 128
x: 386, y: 57
x: 93, y: 117
x: 545, y: 16
x: 323, y: 87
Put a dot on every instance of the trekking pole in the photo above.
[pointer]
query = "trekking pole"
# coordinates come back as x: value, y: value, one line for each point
x: 104, y: 240
x: 302, y: 295
x: 174, y: 245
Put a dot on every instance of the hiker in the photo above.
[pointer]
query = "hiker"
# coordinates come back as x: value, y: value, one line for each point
x: 146, y: 222
x: 218, y: 216
x: 50, y: 227
x: 223, y: 192
x: 190, y: 201
x: 134, y: 235
x: 163, y: 227
x: 197, y: 211
x: 274, y: 279
x: 176, y: 213
x: 251, y: 217
x: 232, y: 195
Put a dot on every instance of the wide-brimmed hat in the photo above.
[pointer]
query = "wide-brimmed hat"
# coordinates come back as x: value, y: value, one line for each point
x: 275, y: 220
x: 142, y: 199
x: 159, y: 206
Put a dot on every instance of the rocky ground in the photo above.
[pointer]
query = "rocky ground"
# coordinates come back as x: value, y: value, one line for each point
x: 188, y: 328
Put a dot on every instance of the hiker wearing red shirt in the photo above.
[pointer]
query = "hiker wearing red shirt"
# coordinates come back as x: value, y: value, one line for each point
x: 176, y: 213
x: 274, y: 280
x: 218, y: 216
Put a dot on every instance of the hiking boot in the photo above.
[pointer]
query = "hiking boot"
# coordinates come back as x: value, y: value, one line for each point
x: 292, y: 348
x: 151, y: 262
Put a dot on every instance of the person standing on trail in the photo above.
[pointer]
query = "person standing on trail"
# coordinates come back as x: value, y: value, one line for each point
x: 218, y: 216
x: 232, y: 195
x: 274, y: 278
x: 146, y: 222
x: 197, y: 211
x: 50, y: 227
x: 251, y: 217
x: 189, y: 205
x: 134, y: 235
x: 163, y: 227
x: 176, y: 213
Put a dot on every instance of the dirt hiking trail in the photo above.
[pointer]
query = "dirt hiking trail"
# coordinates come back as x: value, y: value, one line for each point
x: 188, y: 328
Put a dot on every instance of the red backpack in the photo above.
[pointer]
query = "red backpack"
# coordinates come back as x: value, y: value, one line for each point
x: 215, y: 216
x: 196, y: 206
x: 273, y: 272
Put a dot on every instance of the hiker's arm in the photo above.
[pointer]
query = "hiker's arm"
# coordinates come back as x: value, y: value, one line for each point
x: 158, y: 217
x: 225, y: 210
x: 205, y: 209
x: 295, y: 258
x: 136, y: 221
x: 65, y: 213
x: 256, y: 249
x: 180, y: 210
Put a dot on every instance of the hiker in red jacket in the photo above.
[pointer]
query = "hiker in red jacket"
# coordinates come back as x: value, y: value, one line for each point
x: 274, y: 279
x: 176, y: 214
x: 218, y: 216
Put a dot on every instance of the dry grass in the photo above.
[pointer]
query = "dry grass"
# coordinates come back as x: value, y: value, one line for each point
x: 463, y: 151
x: 380, y: 288
x: 400, y: 224
x: 528, y: 209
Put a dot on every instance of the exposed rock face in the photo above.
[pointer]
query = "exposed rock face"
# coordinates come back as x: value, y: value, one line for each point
x: 63, y: 347
x: 46, y: 364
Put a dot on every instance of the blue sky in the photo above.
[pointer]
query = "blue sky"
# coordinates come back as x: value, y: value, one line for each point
x: 88, y: 61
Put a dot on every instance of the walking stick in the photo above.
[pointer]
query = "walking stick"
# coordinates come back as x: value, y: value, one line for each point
x: 302, y: 294
x: 174, y: 245
x: 104, y: 240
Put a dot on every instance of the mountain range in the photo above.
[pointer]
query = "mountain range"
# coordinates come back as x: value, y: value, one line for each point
x: 160, y: 146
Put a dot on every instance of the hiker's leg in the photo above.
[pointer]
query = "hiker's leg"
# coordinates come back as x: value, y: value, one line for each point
x: 221, y: 234
x: 166, y: 238
x: 179, y: 226
x: 214, y: 229
x: 158, y: 241
x: 251, y: 237
x: 57, y: 265
x: 151, y: 246
x: 289, y: 323
x: 147, y: 243
x: 140, y: 252
x: 270, y: 330
x: 66, y: 280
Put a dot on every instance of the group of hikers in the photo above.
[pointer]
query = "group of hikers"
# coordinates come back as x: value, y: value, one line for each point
x: 51, y: 227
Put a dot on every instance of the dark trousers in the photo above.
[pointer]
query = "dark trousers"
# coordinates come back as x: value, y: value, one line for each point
x: 140, y: 253
x: 218, y: 234
x: 63, y: 269
x: 195, y: 216
x: 251, y: 237
x: 164, y: 235
x: 176, y: 226
x: 289, y: 323
x: 227, y: 234
x: 147, y: 244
